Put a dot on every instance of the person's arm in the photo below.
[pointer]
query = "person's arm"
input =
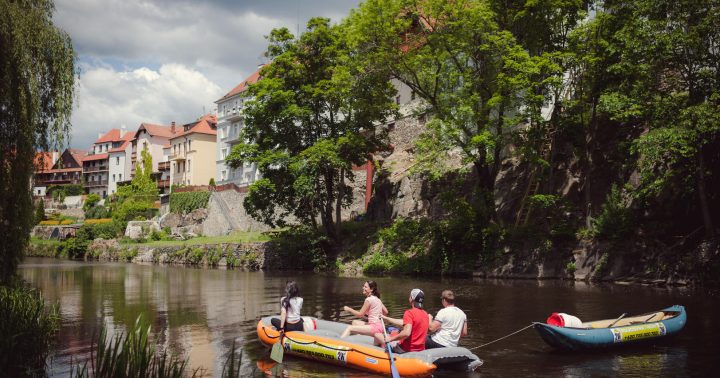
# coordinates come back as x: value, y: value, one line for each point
x: 384, y: 310
x: 464, y: 331
x: 393, y: 321
x: 283, y: 316
x: 406, y: 331
x: 434, y: 326
x: 360, y: 313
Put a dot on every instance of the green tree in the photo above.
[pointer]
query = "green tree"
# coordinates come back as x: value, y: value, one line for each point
x: 476, y: 80
x: 40, y: 212
x: 37, y: 77
x: 136, y: 199
x: 312, y: 117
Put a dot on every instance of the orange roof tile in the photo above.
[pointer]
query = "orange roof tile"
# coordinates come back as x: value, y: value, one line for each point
x: 95, y: 157
x: 126, y: 140
x: 157, y: 130
x: 43, y: 161
x: 205, y: 125
x: 78, y: 155
x: 111, y: 136
x: 252, y: 79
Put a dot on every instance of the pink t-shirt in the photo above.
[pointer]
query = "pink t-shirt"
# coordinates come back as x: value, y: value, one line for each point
x: 374, y: 310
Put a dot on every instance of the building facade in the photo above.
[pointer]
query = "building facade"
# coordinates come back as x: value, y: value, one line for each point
x: 230, y: 124
x: 119, y: 165
x: 192, y: 152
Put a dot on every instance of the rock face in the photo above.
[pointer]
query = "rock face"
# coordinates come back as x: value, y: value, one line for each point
x: 54, y: 232
x: 185, y: 224
x: 141, y: 229
x: 226, y: 213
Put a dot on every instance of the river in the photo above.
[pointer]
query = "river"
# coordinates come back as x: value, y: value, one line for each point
x: 200, y: 312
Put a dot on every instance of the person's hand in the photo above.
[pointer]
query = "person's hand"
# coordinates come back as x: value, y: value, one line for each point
x: 346, y: 309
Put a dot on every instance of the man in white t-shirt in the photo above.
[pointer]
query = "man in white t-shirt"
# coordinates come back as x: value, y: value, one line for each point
x: 449, y: 324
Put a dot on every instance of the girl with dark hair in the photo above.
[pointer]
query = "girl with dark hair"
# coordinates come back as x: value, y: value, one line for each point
x: 290, y: 306
x: 373, y: 308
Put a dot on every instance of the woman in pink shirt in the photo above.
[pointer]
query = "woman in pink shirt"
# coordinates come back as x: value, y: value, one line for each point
x: 373, y: 308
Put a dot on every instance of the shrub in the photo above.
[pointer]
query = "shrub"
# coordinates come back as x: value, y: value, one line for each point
x: 302, y: 247
x: 97, y: 212
x: 185, y: 202
x: 212, y: 182
x: 66, y: 190
x: 214, y: 255
x: 133, y: 210
x: 615, y: 220
x: 90, y: 202
x: 27, y: 329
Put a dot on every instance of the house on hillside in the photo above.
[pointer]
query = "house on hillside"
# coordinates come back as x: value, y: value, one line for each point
x: 65, y: 169
x: 155, y: 138
x: 119, y: 165
x: 192, y: 152
x: 44, y: 162
x: 231, y: 121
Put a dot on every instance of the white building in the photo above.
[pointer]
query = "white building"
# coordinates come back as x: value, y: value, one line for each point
x: 119, y: 161
x: 155, y: 138
x: 230, y: 123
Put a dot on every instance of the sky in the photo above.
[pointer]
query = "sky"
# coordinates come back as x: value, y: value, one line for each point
x: 160, y: 61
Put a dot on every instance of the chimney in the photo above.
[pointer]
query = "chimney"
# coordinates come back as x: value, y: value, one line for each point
x: 172, y: 127
x: 123, y: 130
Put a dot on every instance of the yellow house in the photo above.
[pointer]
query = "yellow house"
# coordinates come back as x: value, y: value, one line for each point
x: 192, y: 152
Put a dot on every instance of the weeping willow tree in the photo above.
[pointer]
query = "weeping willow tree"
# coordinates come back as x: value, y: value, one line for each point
x: 37, y: 75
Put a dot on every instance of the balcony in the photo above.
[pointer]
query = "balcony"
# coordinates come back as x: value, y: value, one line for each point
x: 95, y: 169
x: 164, y: 166
x: 178, y: 156
x: 163, y: 183
x: 233, y: 114
x: 91, y: 184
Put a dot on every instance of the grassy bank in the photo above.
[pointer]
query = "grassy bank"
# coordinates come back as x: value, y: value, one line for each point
x: 236, y: 237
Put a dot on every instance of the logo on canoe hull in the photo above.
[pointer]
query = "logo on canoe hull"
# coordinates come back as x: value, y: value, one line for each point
x: 336, y: 353
x: 638, y: 332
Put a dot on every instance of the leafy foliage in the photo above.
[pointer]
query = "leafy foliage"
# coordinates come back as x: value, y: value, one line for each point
x: 185, y: 202
x: 90, y: 201
x: 40, y: 212
x: 27, y: 330
x: 308, y: 123
x: 37, y: 78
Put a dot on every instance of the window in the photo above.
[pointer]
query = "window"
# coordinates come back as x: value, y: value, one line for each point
x: 220, y: 131
x: 185, y: 146
x: 189, y: 148
x: 224, y: 153
x: 223, y: 175
x: 113, y: 177
x: 188, y: 167
x: 117, y: 160
x: 120, y: 177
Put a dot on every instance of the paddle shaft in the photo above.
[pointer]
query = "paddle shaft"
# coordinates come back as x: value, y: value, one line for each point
x: 617, y: 320
x: 393, y: 368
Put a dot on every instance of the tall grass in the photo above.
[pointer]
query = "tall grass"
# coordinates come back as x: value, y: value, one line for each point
x: 27, y: 329
x: 131, y: 354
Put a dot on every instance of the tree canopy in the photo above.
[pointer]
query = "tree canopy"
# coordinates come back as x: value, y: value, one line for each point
x: 311, y: 117
x: 37, y: 76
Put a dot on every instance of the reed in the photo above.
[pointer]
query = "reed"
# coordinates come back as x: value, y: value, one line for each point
x: 131, y: 354
x: 27, y: 330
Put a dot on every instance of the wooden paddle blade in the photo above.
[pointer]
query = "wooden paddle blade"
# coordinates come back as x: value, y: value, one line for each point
x: 277, y: 351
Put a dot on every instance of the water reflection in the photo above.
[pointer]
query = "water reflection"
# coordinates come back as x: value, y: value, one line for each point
x: 200, y: 312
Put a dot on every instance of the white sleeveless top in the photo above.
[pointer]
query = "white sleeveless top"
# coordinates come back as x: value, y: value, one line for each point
x: 293, y: 312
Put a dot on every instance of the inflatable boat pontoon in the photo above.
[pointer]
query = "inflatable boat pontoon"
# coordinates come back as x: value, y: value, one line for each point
x: 321, y: 341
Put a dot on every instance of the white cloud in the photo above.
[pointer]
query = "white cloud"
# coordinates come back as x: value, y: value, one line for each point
x: 108, y: 99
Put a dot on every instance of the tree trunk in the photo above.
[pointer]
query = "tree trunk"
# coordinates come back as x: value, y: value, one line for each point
x: 702, y: 196
x: 327, y: 217
x: 589, y: 141
x: 338, y: 206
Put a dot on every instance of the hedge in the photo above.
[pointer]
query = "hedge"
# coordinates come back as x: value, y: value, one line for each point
x: 69, y: 189
x: 56, y: 222
x: 98, y: 221
x: 185, y: 202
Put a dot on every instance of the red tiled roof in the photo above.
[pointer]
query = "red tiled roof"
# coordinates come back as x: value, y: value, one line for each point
x: 157, y: 130
x: 43, y: 161
x: 95, y: 157
x: 111, y: 136
x: 78, y: 155
x: 205, y: 125
x: 252, y: 79
x: 126, y: 140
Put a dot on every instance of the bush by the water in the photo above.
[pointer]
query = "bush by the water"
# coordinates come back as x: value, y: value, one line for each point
x: 27, y: 329
x: 185, y: 202
x: 303, y: 247
x: 77, y: 247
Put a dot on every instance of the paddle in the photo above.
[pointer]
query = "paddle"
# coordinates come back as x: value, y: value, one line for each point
x: 393, y: 368
x: 617, y: 320
x: 277, y: 351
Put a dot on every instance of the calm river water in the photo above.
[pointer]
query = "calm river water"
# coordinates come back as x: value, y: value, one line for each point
x: 199, y: 312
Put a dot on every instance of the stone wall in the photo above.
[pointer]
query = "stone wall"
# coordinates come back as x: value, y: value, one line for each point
x: 54, y: 232
x: 241, y: 255
x: 226, y: 213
